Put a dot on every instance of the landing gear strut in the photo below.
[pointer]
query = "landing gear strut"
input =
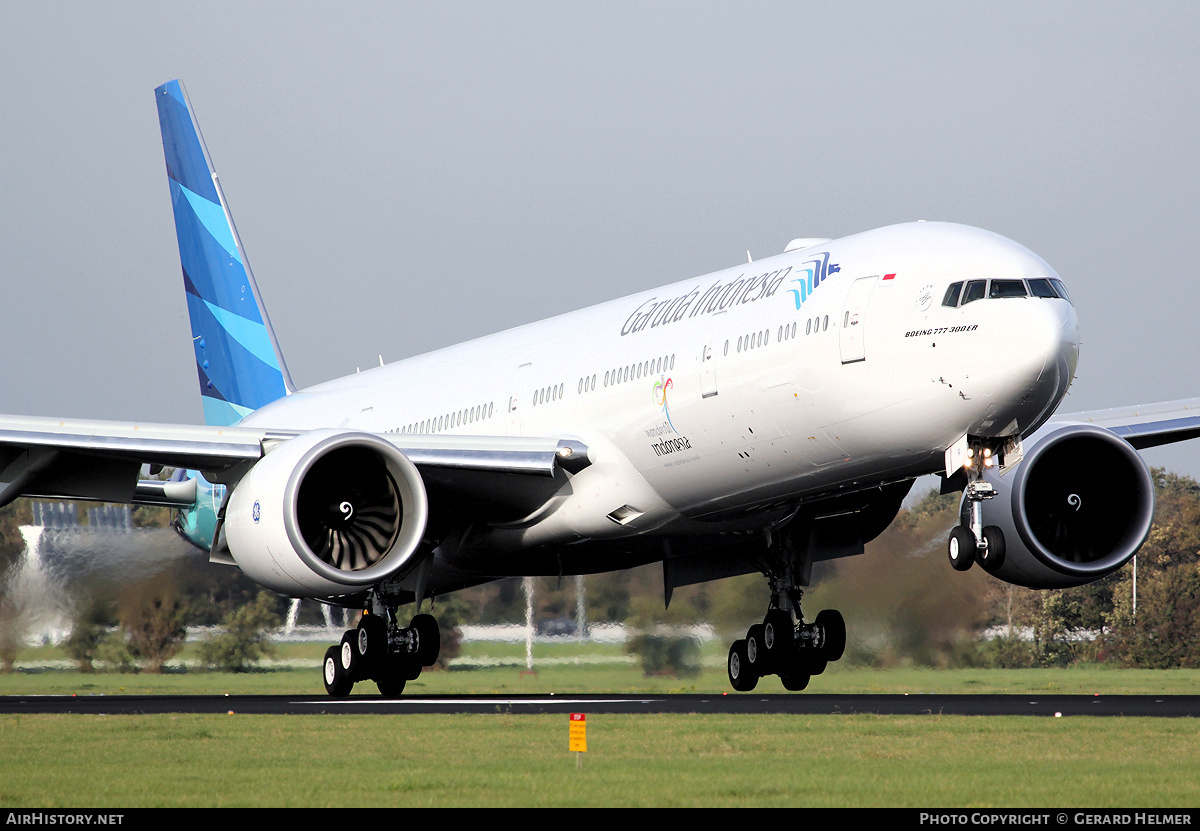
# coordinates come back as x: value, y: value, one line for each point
x: 783, y: 644
x: 382, y: 651
x: 973, y: 541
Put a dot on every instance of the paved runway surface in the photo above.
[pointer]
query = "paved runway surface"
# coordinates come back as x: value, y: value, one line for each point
x: 1166, y: 706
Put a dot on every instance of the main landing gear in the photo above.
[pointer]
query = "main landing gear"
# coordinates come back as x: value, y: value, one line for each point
x: 972, y: 541
x: 783, y: 644
x: 795, y: 651
x: 380, y: 650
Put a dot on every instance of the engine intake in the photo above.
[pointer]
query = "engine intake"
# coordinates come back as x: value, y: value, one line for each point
x: 326, y: 513
x: 1075, y: 509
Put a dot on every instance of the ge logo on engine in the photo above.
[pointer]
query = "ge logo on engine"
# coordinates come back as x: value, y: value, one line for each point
x: 256, y: 512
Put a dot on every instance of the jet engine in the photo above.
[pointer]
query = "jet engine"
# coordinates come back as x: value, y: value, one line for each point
x: 328, y: 513
x: 1076, y: 508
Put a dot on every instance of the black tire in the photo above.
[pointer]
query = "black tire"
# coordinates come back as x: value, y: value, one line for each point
x: 429, y: 640
x: 756, y: 655
x: 833, y: 644
x: 348, y: 656
x: 741, y: 677
x: 794, y: 672
x: 795, y: 681
x: 371, y: 644
x: 337, y: 683
x: 391, y: 677
x: 961, y: 548
x: 815, y: 664
x: 992, y: 557
x: 779, y: 636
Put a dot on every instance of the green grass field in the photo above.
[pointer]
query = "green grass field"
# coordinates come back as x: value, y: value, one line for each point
x: 509, y: 760
x: 570, y: 667
x: 518, y: 760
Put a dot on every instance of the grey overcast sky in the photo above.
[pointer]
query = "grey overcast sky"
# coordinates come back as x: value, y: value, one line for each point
x: 408, y: 175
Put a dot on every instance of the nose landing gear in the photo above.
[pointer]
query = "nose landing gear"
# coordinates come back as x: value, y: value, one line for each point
x: 975, y: 542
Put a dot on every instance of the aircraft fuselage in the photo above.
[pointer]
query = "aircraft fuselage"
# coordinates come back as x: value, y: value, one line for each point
x: 833, y: 368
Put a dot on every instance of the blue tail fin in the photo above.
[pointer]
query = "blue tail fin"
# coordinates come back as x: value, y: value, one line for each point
x: 237, y: 356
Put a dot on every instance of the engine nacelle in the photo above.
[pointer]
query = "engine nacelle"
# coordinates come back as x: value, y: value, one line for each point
x: 1076, y: 508
x: 328, y: 513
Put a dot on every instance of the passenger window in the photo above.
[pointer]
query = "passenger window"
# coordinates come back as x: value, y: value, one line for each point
x: 975, y: 291
x: 952, y: 293
x: 1007, y: 288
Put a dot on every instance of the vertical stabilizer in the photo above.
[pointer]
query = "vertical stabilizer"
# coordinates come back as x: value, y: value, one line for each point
x: 238, y: 359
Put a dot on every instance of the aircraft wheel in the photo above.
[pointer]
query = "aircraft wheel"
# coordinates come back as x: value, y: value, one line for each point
x: 741, y: 677
x: 392, y: 676
x: 756, y: 655
x: 961, y: 548
x: 348, y: 656
x: 834, y: 642
x: 795, y: 681
x: 429, y: 639
x: 794, y: 672
x: 992, y: 557
x: 337, y: 683
x: 371, y: 643
x: 779, y: 634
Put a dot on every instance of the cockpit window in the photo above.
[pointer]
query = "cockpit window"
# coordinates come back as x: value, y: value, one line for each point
x: 1007, y: 288
x: 1050, y: 287
x: 1041, y: 287
x: 975, y: 291
x: 952, y: 293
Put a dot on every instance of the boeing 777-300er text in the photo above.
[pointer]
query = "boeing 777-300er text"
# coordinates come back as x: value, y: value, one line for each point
x: 760, y: 418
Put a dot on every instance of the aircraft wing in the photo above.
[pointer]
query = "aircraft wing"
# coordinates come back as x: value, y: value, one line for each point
x: 1147, y: 425
x: 101, y: 460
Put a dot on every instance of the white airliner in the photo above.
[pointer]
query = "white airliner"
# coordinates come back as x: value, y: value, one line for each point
x: 756, y: 419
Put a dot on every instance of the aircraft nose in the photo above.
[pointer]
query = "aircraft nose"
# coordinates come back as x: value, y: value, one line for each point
x: 1047, y: 352
x: 1068, y: 341
x: 1044, y: 332
x: 1062, y: 337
